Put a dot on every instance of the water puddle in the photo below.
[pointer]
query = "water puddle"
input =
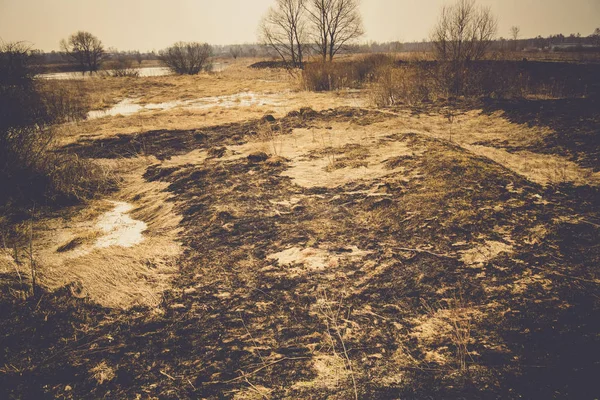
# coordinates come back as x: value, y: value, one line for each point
x: 129, y: 106
x: 143, y: 72
x: 119, y: 228
x: 124, y: 107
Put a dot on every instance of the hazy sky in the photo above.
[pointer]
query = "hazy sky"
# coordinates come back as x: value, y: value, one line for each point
x: 155, y: 24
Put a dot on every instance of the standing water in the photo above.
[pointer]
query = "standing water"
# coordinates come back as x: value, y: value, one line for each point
x: 119, y: 228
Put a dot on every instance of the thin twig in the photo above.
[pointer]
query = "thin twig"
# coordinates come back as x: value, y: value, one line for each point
x: 255, y: 388
x: 244, y: 375
x: 330, y: 314
x: 347, y: 359
x: 15, y: 263
x: 167, y: 375
x: 190, y: 382
x: 33, y: 269
x: 252, y: 338
x: 590, y: 223
x: 426, y: 251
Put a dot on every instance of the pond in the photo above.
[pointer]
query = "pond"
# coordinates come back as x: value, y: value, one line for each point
x: 144, y: 72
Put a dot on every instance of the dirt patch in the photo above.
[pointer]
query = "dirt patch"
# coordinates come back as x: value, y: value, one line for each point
x: 315, y: 259
x: 480, y: 255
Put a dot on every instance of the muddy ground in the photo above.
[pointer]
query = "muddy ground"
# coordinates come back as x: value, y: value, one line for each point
x: 334, y: 254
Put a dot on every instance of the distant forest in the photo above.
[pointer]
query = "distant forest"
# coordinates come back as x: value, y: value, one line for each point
x: 554, y: 43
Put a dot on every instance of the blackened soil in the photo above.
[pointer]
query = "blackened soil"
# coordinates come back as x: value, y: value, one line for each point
x: 236, y: 319
x: 575, y: 122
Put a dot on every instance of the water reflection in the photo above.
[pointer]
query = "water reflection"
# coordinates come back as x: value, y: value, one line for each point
x: 143, y: 72
x: 129, y: 106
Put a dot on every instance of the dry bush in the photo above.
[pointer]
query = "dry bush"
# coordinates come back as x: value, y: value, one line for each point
x: 122, y: 67
x: 326, y: 76
x: 475, y: 79
x: 67, y: 101
x: 399, y: 85
x: 187, y: 58
x: 455, y: 317
x: 367, y: 68
x: 31, y: 168
x: 420, y: 81
x: 271, y: 138
x: 319, y: 77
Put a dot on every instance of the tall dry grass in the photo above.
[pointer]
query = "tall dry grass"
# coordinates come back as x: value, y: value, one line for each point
x: 33, y: 170
x: 423, y: 80
x: 326, y: 76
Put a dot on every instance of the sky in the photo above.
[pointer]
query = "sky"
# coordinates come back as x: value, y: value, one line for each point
x: 155, y: 24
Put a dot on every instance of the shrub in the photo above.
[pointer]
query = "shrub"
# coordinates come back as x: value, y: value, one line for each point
x: 400, y: 85
x: 122, y: 67
x: 367, y: 67
x: 324, y: 76
x: 65, y: 100
x: 318, y: 77
x: 31, y: 170
x: 187, y: 58
x: 429, y: 80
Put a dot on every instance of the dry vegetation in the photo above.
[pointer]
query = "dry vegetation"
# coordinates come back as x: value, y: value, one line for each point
x: 318, y: 245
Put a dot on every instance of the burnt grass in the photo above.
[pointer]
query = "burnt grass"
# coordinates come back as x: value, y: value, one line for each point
x: 575, y: 122
x: 236, y: 319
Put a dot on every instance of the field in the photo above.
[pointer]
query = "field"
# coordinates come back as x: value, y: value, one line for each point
x: 271, y: 242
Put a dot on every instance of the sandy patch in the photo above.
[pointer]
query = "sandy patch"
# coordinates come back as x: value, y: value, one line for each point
x: 331, y: 373
x: 479, y: 255
x: 451, y: 324
x: 539, y: 168
x: 316, y: 259
x: 318, y: 156
x: 528, y: 279
x: 194, y: 157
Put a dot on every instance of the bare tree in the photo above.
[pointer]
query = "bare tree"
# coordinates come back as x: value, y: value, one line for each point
x: 84, y: 49
x: 464, y: 32
x: 335, y: 24
x: 283, y: 29
x: 187, y: 58
x: 596, y: 36
x: 514, y: 33
x: 235, y: 51
x: 319, y: 20
x: 138, y: 57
